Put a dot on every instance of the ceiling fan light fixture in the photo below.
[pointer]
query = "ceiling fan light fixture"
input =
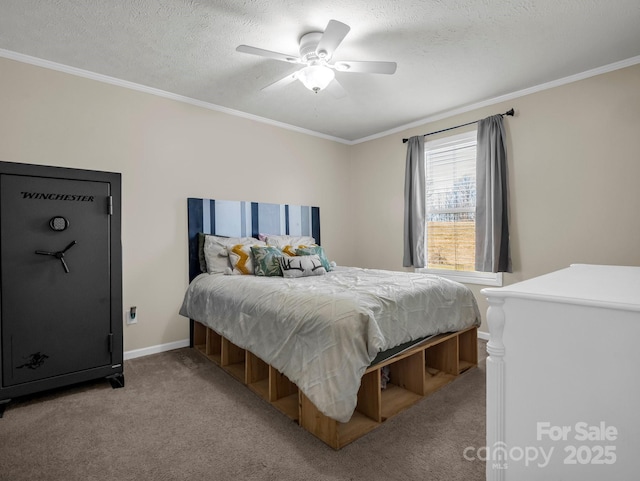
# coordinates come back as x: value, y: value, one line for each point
x: 316, y: 50
x: 316, y: 77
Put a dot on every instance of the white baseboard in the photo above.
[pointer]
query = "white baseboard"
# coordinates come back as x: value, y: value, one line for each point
x: 146, y: 351
x: 483, y: 335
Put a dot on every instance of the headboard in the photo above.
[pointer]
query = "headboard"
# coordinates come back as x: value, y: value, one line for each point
x: 244, y: 219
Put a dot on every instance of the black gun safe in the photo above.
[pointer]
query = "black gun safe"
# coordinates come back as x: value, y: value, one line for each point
x: 60, y: 278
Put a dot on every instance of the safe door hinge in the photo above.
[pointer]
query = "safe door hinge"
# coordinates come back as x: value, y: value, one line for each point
x: 110, y: 205
x: 110, y: 342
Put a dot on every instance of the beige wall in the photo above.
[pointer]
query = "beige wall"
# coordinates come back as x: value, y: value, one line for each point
x: 574, y: 172
x: 574, y: 168
x: 166, y: 151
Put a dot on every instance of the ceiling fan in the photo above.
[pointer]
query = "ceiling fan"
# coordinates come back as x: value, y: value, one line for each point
x: 316, y: 51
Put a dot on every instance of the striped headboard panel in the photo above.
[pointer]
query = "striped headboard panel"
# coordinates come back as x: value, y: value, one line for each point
x: 243, y: 219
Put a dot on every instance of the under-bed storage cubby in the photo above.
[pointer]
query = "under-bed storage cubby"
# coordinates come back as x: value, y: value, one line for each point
x: 263, y: 379
x: 441, y: 363
x: 213, y: 348
x: 232, y: 360
x: 283, y: 394
x: 468, y: 347
x: 257, y: 375
x: 405, y: 386
x: 199, y: 337
x: 412, y: 375
x: 272, y: 386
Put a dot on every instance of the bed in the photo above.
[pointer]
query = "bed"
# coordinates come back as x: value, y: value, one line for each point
x: 339, y: 352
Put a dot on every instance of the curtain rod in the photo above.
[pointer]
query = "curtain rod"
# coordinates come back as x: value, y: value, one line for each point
x: 509, y: 112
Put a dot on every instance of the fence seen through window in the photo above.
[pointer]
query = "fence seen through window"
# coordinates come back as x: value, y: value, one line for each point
x: 451, y: 202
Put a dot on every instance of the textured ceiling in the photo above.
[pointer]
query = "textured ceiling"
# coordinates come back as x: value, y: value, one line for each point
x: 450, y: 53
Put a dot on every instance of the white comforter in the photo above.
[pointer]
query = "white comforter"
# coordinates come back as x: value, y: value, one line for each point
x: 322, y: 332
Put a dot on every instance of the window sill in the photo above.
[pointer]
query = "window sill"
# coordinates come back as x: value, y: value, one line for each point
x: 467, y: 277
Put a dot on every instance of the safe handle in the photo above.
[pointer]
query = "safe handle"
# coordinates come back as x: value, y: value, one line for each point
x: 59, y: 255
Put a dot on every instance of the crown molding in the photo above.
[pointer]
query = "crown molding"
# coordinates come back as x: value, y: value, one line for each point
x: 503, y: 98
x: 38, y: 62
x: 206, y: 105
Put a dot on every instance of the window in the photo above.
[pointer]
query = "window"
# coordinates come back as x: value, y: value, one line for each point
x: 451, y: 209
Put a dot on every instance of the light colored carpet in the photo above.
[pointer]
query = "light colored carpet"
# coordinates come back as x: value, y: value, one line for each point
x: 180, y: 417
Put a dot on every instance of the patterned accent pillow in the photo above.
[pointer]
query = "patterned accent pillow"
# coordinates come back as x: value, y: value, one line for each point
x: 301, y: 266
x: 319, y: 251
x: 216, y: 254
x: 240, y: 259
x: 265, y: 260
x: 291, y: 250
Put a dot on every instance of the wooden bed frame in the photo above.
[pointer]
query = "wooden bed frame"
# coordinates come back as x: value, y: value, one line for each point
x: 415, y: 372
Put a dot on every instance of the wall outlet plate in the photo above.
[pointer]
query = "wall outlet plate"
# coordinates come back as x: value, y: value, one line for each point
x: 131, y: 319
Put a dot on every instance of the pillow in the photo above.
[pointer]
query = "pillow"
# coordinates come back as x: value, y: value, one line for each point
x: 301, y: 266
x: 291, y: 250
x: 289, y: 240
x: 319, y: 251
x: 240, y: 258
x: 201, y: 259
x: 215, y: 251
x: 265, y: 260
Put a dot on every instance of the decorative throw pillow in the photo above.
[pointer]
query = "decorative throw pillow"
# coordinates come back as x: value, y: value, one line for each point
x: 215, y: 251
x: 289, y: 240
x: 240, y: 259
x: 301, y: 266
x: 319, y: 251
x: 291, y: 250
x: 265, y: 260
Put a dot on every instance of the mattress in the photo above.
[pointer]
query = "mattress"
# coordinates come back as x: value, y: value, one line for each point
x: 323, y: 332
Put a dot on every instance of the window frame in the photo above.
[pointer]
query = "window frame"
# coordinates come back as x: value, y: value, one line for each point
x: 468, y: 277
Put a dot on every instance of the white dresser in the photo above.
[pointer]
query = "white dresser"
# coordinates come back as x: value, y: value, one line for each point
x: 563, y: 376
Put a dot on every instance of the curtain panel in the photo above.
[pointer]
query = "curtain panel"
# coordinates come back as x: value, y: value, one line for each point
x: 415, y: 221
x: 493, y: 253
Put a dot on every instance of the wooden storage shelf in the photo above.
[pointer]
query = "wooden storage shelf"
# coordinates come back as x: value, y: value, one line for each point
x: 236, y: 370
x: 358, y: 426
x: 414, y: 374
x: 213, y: 346
x: 283, y: 394
x: 464, y: 365
x: 468, y: 346
x: 257, y: 375
x: 199, y: 337
x: 434, y: 380
x: 289, y: 406
x: 395, y: 400
x: 261, y: 388
x: 264, y: 380
x: 232, y: 359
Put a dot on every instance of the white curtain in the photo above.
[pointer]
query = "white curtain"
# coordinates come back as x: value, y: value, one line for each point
x: 493, y: 253
x: 415, y: 221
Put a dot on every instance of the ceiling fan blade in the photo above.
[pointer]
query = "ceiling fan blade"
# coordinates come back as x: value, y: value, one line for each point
x: 267, y: 53
x: 366, y: 67
x: 332, y: 37
x: 283, y: 82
